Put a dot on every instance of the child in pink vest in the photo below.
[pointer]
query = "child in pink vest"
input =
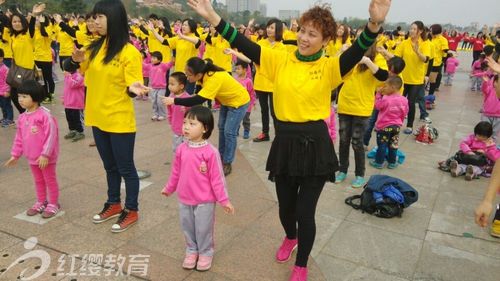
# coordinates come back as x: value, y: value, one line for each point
x: 38, y: 140
x: 158, y: 83
x: 451, y: 68
x: 491, y: 105
x: 198, y: 179
x: 177, y: 87
x: 480, y: 142
x: 5, y: 104
x: 241, y: 69
x: 73, y: 99
x: 392, y: 109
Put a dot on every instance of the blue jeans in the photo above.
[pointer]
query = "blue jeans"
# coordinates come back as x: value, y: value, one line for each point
x: 387, y: 140
x: 229, y: 121
x: 369, y: 128
x: 117, y: 155
x: 7, y: 110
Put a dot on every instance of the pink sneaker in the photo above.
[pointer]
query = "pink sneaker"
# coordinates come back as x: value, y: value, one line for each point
x: 190, y: 261
x: 299, y: 273
x: 36, y: 209
x: 286, y: 249
x: 50, y: 211
x: 204, y: 263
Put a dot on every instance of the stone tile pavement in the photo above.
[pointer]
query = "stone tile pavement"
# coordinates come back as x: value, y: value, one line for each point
x: 430, y: 241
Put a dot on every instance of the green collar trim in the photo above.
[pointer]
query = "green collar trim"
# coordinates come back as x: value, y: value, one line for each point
x: 310, y: 58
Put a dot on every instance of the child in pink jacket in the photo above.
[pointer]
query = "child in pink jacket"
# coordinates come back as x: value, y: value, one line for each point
x: 491, y: 105
x: 73, y: 99
x: 451, y: 68
x: 198, y: 179
x: 392, y: 109
x: 478, y: 143
x: 241, y: 69
x: 158, y: 84
x: 38, y: 140
x: 175, y: 113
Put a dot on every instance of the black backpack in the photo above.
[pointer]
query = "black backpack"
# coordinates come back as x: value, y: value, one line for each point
x: 388, y: 208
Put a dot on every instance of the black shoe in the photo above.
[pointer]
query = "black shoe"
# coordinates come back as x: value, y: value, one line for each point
x: 227, y: 169
x: 261, y: 137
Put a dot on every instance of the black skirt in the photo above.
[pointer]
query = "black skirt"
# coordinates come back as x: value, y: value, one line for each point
x: 302, y: 149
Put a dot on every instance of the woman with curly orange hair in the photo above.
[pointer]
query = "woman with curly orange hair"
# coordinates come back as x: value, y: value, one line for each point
x: 302, y: 156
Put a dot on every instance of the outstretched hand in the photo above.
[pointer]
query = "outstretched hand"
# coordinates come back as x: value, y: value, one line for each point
x: 378, y: 9
x: 139, y: 89
x: 11, y: 162
x: 204, y: 8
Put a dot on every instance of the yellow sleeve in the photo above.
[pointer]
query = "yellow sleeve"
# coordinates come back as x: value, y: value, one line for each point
x: 444, y: 44
x: 210, y: 87
x: 425, y: 49
x: 333, y: 65
x: 172, y: 42
x: 399, y: 50
x: 132, y: 65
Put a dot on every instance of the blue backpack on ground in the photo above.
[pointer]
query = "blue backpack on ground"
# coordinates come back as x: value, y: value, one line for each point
x: 384, y: 197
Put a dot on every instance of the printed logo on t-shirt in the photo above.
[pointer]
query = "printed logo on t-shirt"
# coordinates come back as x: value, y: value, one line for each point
x: 203, y: 167
x: 34, y: 130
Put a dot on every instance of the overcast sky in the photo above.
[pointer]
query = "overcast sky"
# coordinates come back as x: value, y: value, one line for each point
x: 459, y: 12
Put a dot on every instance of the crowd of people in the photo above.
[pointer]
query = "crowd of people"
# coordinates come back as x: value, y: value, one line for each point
x: 313, y: 78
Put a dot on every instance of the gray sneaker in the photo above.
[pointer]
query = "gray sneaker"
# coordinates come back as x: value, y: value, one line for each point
x: 70, y: 135
x: 78, y: 136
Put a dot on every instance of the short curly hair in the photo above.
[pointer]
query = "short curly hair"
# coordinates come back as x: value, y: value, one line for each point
x: 320, y: 16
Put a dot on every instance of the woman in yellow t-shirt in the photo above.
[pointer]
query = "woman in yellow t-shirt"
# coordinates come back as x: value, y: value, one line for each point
x: 185, y: 44
x: 302, y: 155
x: 217, y: 83
x: 262, y: 85
x: 22, y: 34
x: 43, y: 54
x: 113, y: 72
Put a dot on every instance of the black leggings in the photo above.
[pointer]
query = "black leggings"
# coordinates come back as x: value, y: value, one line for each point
x: 266, y: 105
x: 15, y: 100
x: 411, y: 92
x: 297, y: 199
x: 46, y: 67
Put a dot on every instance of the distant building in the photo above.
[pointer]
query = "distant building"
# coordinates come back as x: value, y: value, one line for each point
x: 234, y: 6
x: 289, y: 14
x: 263, y: 9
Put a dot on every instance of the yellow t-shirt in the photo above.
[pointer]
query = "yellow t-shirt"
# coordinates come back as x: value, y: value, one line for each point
x: 357, y: 96
x: 107, y: 104
x: 43, y: 51
x: 23, y: 50
x: 223, y: 87
x: 302, y: 90
x: 290, y: 36
x: 184, y: 50
x: 415, y: 69
x: 67, y: 45
x: 209, y: 48
x: 220, y: 59
x: 6, y: 46
x: 439, y: 44
x: 261, y: 82
x: 333, y: 48
x: 85, y: 39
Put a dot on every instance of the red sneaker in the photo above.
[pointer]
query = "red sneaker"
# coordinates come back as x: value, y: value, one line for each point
x: 299, y: 273
x: 127, y: 219
x: 108, y: 212
x: 262, y: 137
x: 286, y: 249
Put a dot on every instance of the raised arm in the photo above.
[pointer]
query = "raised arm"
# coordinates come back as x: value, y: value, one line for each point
x: 237, y: 40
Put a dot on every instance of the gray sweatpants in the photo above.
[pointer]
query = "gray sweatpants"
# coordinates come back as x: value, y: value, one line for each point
x: 477, y: 171
x: 177, y: 140
x: 156, y: 96
x: 197, y: 223
x: 495, y: 123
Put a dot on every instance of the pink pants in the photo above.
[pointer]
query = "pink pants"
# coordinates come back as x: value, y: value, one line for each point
x: 46, y: 182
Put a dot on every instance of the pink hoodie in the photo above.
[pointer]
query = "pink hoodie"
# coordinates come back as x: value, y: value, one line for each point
x: 247, y: 84
x: 37, y: 134
x: 158, y: 75
x: 471, y: 143
x: 74, y: 91
x: 452, y: 65
x: 197, y: 175
x: 392, y: 110
x: 175, y: 114
x: 4, y: 87
x: 491, y: 104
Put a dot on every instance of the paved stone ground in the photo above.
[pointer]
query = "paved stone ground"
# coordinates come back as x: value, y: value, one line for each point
x: 427, y: 243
